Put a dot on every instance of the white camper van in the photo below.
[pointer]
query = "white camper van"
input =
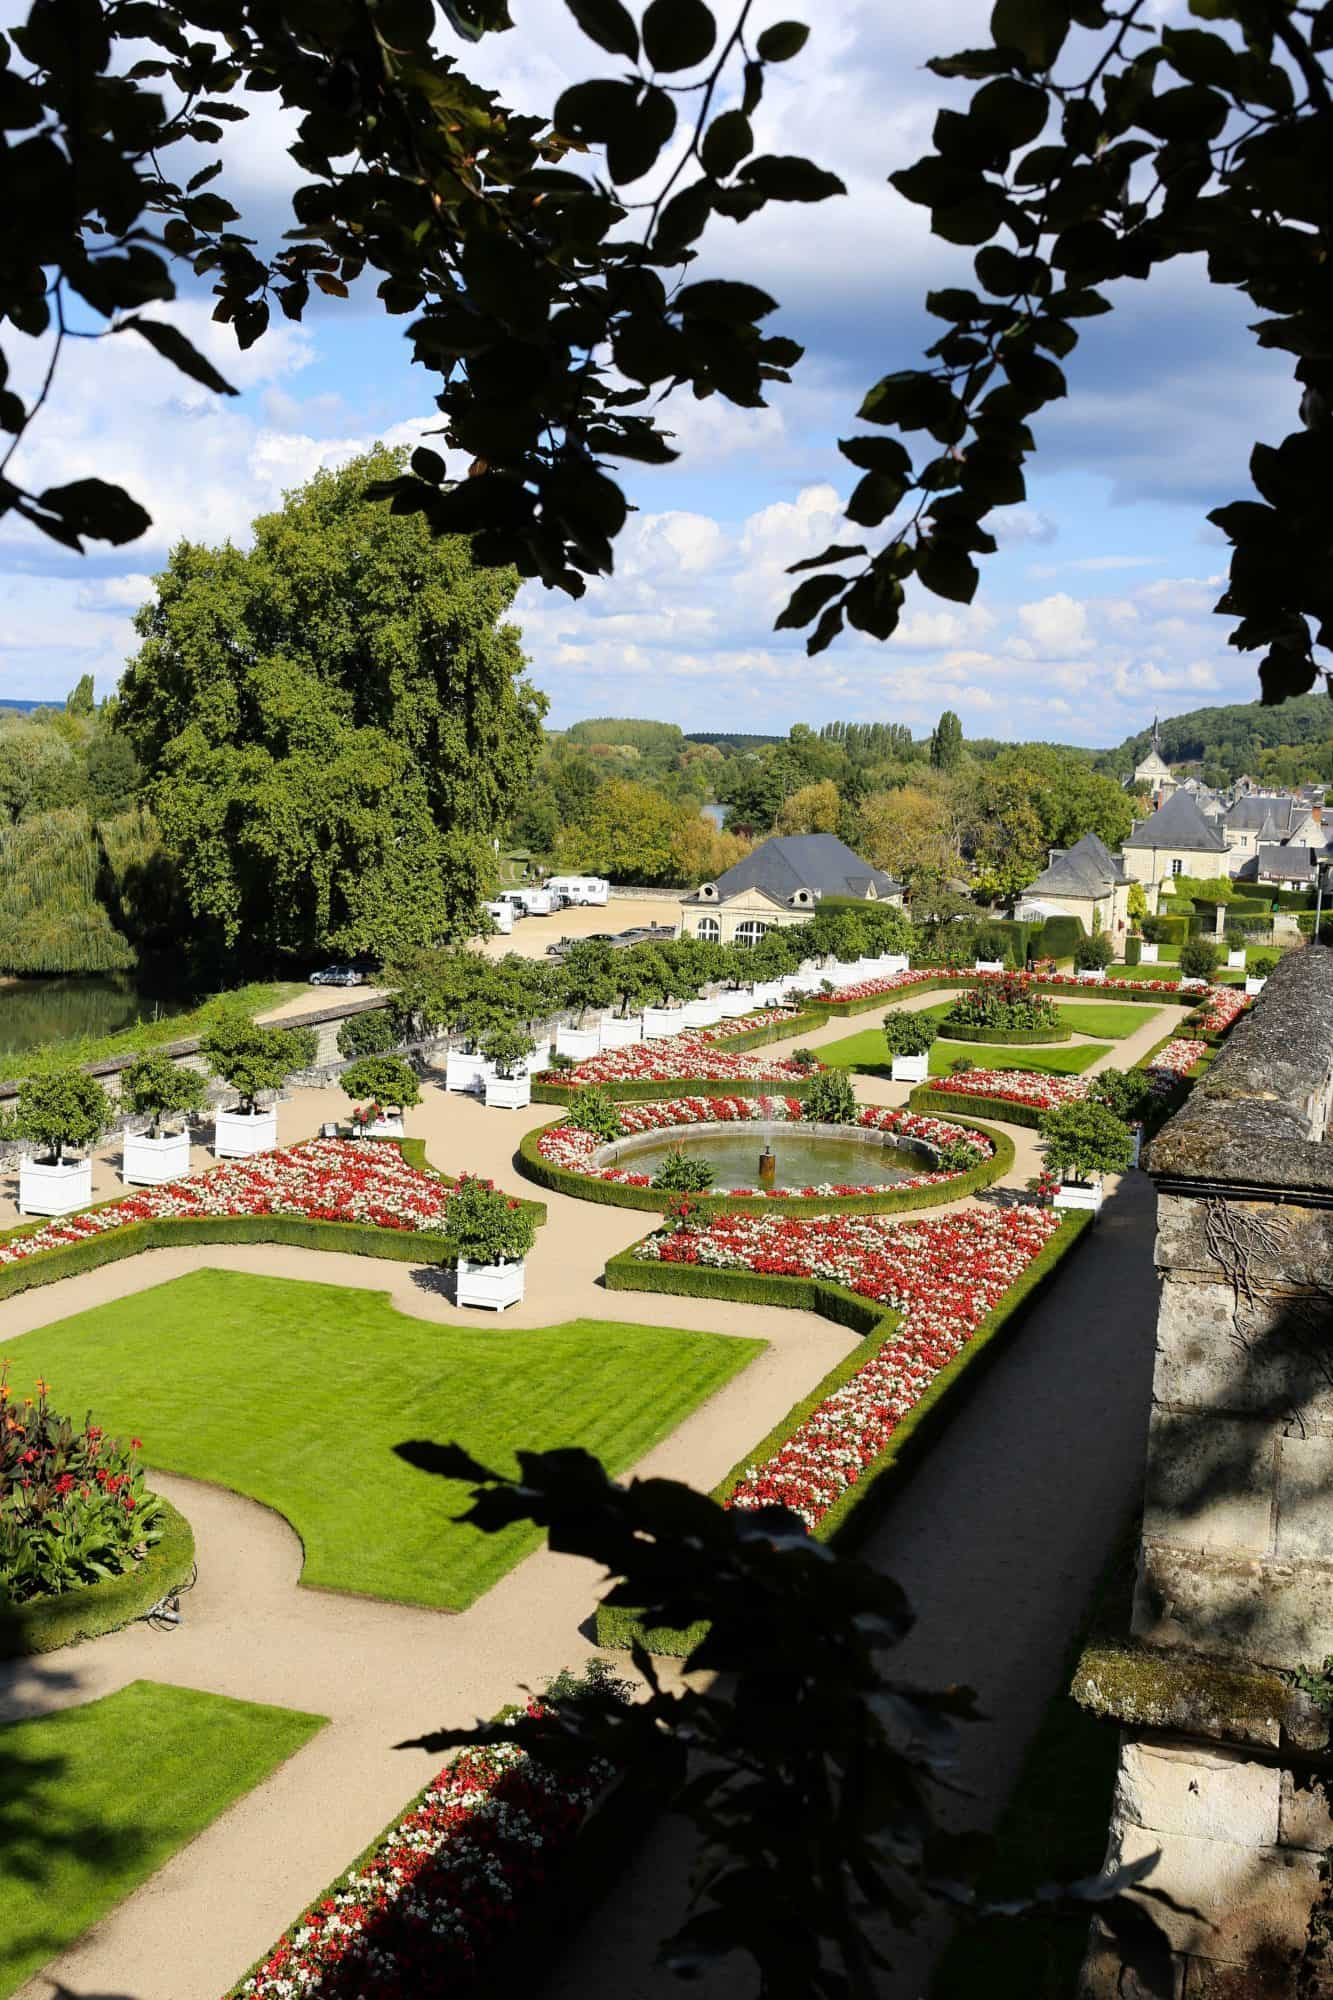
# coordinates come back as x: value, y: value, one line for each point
x: 584, y: 889
x: 501, y: 915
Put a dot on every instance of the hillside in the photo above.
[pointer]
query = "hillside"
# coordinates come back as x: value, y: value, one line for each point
x: 1234, y: 736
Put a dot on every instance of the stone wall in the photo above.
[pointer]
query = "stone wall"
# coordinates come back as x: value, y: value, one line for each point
x: 1223, y: 1766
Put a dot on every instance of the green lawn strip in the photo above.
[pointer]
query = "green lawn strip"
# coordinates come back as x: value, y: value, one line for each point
x: 258, y: 998
x: 1052, y: 1829
x: 866, y: 1052
x: 1109, y: 1020
x: 96, y: 1798
x: 855, y: 1512
x: 295, y: 1393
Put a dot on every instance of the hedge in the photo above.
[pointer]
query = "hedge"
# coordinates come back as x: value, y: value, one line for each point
x: 941, y: 1103
x: 953, y: 1031
x: 854, y: 1513
x: 1058, y: 937
x: 86, y: 1613
x: 892, y: 1201
x: 1133, y: 950
x: 643, y: 1090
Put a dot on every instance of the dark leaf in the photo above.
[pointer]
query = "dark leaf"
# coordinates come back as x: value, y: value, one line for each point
x: 875, y: 454
x: 826, y: 631
x: 608, y: 24
x: 94, y: 508
x: 874, y: 603
x: 782, y: 41
x: 785, y: 177
x: 972, y: 63
x: 677, y: 34
x: 1035, y: 28
x: 724, y: 299
x: 633, y: 149
x: 807, y: 599
x: 428, y: 464
x: 172, y: 345
x: 684, y: 219
x: 874, y: 498
x: 947, y: 570
x: 726, y: 143
x: 1016, y: 110
x: 836, y: 552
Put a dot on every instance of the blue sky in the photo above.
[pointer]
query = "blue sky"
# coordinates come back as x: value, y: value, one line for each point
x: 1095, y: 613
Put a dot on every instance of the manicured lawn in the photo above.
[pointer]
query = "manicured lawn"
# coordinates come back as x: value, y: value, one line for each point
x: 866, y: 1052
x: 296, y: 1394
x: 1109, y: 1020
x: 96, y: 1798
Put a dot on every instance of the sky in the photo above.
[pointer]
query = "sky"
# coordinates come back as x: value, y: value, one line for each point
x: 1094, y: 614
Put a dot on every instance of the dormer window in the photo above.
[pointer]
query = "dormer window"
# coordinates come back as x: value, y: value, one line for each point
x: 802, y: 896
x: 708, y: 892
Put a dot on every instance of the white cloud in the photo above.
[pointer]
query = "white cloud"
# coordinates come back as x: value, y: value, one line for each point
x: 1055, y: 625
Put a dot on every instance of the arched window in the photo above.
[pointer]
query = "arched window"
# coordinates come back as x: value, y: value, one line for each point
x: 750, y: 931
x: 709, y: 929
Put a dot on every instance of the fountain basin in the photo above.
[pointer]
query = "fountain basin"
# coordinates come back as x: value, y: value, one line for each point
x: 808, y: 1154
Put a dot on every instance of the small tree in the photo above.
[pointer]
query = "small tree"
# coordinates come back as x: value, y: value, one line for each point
x: 1125, y: 1092
x: 155, y: 1084
x: 683, y: 1173
x: 386, y: 1080
x: 588, y: 977
x: 1198, y: 958
x: 1154, y: 930
x: 1137, y: 904
x: 1264, y: 962
x: 488, y: 1227
x: 830, y: 1098
x: 1084, y: 1138
x: 367, y: 1034
x: 909, y: 1034
x: 508, y: 1046
x: 61, y: 1107
x: 596, y: 1112
x: 1093, y: 954
x: 254, y: 1059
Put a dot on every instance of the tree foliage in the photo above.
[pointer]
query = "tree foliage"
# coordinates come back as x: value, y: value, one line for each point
x: 62, y: 1106
x: 383, y: 1079
x: 154, y: 1084
x: 251, y: 1058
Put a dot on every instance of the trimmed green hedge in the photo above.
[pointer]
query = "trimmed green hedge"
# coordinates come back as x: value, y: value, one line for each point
x: 1133, y: 950
x: 941, y: 1104
x: 47, y: 1623
x: 1058, y: 937
x: 1021, y: 1038
x: 892, y: 1201
x: 853, y: 1514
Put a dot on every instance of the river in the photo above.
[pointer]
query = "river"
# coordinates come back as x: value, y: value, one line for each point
x: 33, y: 1011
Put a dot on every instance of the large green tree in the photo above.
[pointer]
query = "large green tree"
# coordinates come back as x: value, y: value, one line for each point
x: 332, y: 724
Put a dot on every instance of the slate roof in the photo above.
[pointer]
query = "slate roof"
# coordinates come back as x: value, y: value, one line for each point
x: 1087, y: 869
x: 1248, y: 815
x: 1177, y: 824
x: 1289, y: 862
x: 819, y: 862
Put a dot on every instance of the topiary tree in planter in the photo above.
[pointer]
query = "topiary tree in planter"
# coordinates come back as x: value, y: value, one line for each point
x: 508, y: 1046
x: 830, y: 1099
x: 1198, y: 958
x: 156, y: 1086
x: 1094, y: 954
x: 1127, y: 1093
x: 369, y: 1034
x: 596, y: 1112
x: 488, y: 1227
x: 1261, y: 963
x: 1083, y: 1139
x: 254, y: 1059
x: 60, y: 1107
x: 907, y: 1033
x: 1137, y: 904
x: 683, y: 1173
x: 588, y: 977
x: 1154, y: 930
x: 385, y: 1080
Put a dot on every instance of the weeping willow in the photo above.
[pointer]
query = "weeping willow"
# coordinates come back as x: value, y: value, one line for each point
x: 55, y: 870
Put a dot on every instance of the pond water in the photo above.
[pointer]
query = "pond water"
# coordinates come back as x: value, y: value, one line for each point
x: 51, y: 1010
x: 804, y: 1159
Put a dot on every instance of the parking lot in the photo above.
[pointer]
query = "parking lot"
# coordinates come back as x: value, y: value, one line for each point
x: 531, y: 935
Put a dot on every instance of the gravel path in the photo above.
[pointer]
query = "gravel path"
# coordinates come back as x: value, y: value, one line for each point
x: 999, y: 1533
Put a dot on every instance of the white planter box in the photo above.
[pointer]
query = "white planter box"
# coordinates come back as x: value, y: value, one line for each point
x: 1253, y: 986
x: 911, y: 1069
x: 1192, y: 985
x: 381, y: 1128
x: 736, y: 1004
x: 1090, y: 1197
x: 702, y: 1013
x: 1147, y: 954
x: 148, y: 1162
x: 768, y: 993
x: 463, y: 1072
x: 46, y: 1188
x: 508, y: 1093
x: 1097, y: 978
x: 494, y: 1286
x: 622, y: 1034
x: 578, y: 1043
x: 238, y: 1134
x: 988, y: 965
x: 539, y: 1059
x: 1236, y: 960
x: 659, y: 1022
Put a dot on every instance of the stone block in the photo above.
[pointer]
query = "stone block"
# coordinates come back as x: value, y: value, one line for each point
x: 1305, y: 1497
x: 1210, y: 1481
x: 1258, y: 1610
x: 1207, y: 1979
x: 1305, y: 1815
x: 1239, y: 1904
x: 1210, y: 1794
x: 1275, y: 1364
x: 1284, y: 1243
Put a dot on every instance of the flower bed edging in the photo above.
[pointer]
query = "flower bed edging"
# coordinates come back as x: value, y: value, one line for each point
x: 640, y: 1090
x: 941, y: 1102
x: 854, y: 1513
x: 561, y: 1180
x: 1019, y: 1038
x: 44, y: 1624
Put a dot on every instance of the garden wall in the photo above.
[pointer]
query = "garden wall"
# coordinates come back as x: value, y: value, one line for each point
x: 1224, y: 1766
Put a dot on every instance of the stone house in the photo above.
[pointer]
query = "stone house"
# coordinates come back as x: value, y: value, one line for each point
x: 782, y: 882
x: 1175, y: 840
x: 1085, y: 881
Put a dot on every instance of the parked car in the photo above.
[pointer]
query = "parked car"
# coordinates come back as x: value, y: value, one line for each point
x: 337, y: 975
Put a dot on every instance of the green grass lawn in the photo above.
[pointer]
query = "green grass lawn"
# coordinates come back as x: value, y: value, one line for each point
x: 96, y: 1798
x: 866, y: 1052
x: 1109, y: 1020
x: 296, y: 1393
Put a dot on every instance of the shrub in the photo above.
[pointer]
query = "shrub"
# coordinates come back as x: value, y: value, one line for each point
x: 683, y: 1173
x: 1198, y: 958
x: 1154, y: 929
x: 73, y: 1507
x: 594, y: 1111
x: 1084, y: 1138
x: 488, y: 1227
x: 957, y: 1157
x: 1133, y: 950
x: 368, y: 1034
x: 508, y: 1046
x: 384, y: 1080
x: 1126, y: 1092
x: 992, y: 941
x: 1264, y: 962
x: 1008, y: 1003
x: 60, y: 1107
x: 1137, y: 904
x: 254, y: 1059
x: 805, y: 1059
x: 909, y: 1034
x: 961, y: 1065
x: 155, y: 1084
x: 1093, y: 954
x: 1058, y: 937
x: 830, y: 1099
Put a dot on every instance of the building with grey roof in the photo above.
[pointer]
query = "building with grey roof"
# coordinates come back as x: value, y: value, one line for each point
x: 1085, y: 881
x: 1175, y: 840
x: 782, y: 882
